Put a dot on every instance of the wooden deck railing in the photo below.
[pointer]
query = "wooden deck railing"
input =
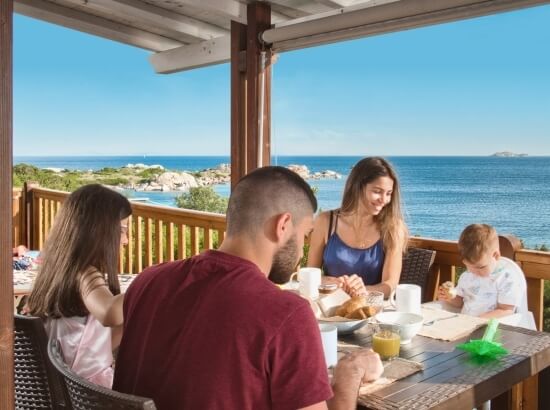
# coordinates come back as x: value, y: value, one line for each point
x: 18, y: 223
x: 160, y: 234
x: 157, y: 233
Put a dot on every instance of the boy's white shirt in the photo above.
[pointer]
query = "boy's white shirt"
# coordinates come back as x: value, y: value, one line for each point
x: 505, y: 285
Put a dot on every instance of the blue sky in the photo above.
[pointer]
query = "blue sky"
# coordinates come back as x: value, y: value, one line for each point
x: 472, y: 87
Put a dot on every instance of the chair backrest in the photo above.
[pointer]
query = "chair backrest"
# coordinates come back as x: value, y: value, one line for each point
x: 85, y: 395
x: 417, y: 263
x: 37, y: 384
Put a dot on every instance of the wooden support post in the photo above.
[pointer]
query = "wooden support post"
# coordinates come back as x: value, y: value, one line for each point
x: 6, y: 193
x: 250, y: 93
x: 238, y: 102
x: 258, y: 75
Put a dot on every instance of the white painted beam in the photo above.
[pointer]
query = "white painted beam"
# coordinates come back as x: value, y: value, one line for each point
x: 209, y: 52
x: 97, y: 26
x: 341, y: 3
x: 165, y: 22
x: 378, y: 17
x: 231, y: 9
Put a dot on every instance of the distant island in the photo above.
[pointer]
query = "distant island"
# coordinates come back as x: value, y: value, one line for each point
x: 507, y: 154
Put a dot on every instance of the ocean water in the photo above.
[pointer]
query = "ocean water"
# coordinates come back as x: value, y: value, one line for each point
x: 440, y: 195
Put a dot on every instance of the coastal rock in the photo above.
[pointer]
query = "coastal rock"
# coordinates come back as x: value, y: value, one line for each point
x: 224, y: 168
x: 328, y: 174
x: 301, y: 170
x: 143, y: 166
x: 175, y: 181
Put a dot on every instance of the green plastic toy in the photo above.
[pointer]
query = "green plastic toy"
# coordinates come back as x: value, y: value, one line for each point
x: 485, y: 348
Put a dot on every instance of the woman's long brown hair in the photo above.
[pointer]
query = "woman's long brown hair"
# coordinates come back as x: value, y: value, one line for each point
x: 85, y: 235
x: 390, y: 220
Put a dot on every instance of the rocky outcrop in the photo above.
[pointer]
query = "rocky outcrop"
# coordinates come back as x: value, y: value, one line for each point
x: 304, y: 172
x: 169, y: 181
x: 221, y: 174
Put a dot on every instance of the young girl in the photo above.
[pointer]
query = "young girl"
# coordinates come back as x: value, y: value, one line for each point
x: 77, y: 290
x: 362, y: 243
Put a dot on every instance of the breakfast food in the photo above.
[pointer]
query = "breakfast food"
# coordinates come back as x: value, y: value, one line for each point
x: 357, y: 308
x: 449, y: 288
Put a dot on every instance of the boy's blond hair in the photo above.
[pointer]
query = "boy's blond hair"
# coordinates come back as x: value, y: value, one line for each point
x: 476, y: 240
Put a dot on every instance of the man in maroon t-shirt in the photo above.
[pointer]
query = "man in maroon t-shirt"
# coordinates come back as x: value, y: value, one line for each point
x: 211, y: 332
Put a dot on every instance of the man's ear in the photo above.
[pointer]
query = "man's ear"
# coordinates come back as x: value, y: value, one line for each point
x: 283, y: 226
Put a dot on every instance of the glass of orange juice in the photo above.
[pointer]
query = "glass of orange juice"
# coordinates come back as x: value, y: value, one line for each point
x: 386, y: 341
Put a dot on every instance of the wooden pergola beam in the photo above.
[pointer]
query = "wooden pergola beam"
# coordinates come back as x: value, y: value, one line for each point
x: 93, y: 25
x: 250, y: 93
x: 6, y: 159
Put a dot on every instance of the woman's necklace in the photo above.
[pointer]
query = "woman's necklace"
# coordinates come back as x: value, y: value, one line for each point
x: 360, y: 234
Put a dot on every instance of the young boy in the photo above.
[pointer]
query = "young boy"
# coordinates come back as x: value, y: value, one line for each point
x: 492, y: 286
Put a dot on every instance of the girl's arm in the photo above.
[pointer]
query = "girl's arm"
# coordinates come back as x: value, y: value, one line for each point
x: 99, y: 300
x: 317, y: 241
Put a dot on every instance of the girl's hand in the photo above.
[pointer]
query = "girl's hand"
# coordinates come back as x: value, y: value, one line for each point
x: 353, y: 285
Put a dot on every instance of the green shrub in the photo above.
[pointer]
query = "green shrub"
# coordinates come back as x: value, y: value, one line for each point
x: 112, y: 181
x: 202, y: 199
x: 149, y: 174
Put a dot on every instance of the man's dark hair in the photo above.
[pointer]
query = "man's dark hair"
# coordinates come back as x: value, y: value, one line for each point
x: 267, y: 192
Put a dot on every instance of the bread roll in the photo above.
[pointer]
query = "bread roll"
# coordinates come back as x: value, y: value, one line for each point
x: 449, y: 288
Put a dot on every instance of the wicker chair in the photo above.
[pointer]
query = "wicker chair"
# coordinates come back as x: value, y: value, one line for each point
x: 37, y: 384
x: 88, y: 396
x: 417, y: 263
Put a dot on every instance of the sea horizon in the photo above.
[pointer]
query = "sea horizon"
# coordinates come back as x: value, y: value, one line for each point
x: 440, y: 194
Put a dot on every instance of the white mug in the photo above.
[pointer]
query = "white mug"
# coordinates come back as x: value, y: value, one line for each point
x: 309, y: 281
x: 329, y: 338
x: 407, y: 298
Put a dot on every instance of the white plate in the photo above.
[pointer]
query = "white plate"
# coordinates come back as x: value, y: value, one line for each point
x: 345, y: 327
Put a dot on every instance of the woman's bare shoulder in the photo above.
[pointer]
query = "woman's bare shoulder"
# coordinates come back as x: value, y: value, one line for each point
x: 322, y: 219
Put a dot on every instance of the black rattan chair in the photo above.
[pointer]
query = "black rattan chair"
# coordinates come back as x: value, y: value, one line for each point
x: 88, y: 396
x: 37, y: 384
x: 417, y: 263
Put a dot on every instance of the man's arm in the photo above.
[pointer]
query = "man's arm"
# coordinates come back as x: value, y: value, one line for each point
x: 355, y: 368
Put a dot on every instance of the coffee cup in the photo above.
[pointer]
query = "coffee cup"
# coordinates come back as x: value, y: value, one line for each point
x: 309, y: 280
x: 407, y: 298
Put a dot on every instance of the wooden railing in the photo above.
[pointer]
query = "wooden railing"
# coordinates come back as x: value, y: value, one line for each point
x: 160, y: 234
x: 157, y: 233
x: 18, y: 222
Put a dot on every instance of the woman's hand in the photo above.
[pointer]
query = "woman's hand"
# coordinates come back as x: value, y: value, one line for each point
x: 353, y: 285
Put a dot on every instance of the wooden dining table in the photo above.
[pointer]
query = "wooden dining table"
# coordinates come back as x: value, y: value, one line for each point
x: 451, y: 378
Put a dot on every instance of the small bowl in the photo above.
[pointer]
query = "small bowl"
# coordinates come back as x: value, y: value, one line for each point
x: 408, y: 323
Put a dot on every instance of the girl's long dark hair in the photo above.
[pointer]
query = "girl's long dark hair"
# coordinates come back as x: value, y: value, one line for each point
x: 85, y: 235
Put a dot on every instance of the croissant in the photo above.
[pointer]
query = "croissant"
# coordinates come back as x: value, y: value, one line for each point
x: 351, y: 306
x: 357, y: 308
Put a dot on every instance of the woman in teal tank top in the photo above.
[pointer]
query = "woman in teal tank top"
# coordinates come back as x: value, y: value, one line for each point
x: 360, y: 246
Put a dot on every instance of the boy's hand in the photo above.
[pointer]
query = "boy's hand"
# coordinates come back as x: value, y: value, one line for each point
x: 443, y: 294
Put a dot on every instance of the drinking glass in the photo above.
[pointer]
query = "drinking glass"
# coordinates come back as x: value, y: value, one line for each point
x: 386, y: 341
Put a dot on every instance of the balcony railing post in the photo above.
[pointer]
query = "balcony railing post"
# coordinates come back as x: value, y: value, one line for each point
x: 28, y: 212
